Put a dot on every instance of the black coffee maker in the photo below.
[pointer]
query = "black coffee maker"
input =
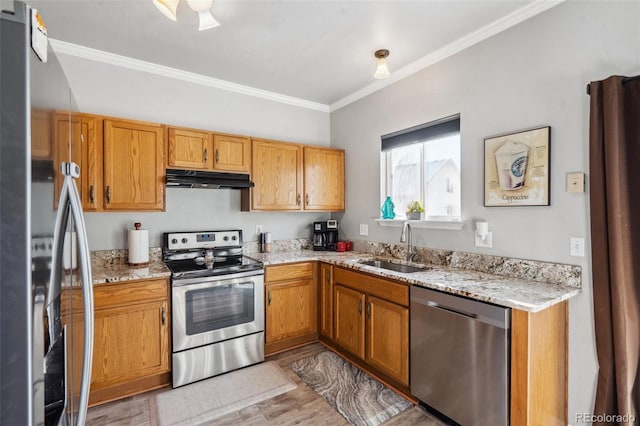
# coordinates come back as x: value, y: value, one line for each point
x: 325, y: 235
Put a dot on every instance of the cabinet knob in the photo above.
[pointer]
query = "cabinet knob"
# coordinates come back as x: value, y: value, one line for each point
x: 369, y: 309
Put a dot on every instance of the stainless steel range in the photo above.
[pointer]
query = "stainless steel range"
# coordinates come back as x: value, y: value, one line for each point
x: 217, y: 308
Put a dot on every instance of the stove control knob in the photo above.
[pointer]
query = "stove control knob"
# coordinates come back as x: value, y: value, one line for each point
x: 174, y: 241
x: 226, y: 238
x: 184, y: 241
x: 234, y: 238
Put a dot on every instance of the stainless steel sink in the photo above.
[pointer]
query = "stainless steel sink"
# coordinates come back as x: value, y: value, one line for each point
x: 398, y: 267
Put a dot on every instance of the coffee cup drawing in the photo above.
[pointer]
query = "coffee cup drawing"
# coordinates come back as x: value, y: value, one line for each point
x: 511, y: 162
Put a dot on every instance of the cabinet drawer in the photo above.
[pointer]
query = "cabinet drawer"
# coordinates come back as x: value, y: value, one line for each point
x: 289, y: 272
x: 384, y: 289
x: 117, y: 294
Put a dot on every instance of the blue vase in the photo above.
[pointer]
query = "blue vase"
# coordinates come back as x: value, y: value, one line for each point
x: 387, y: 209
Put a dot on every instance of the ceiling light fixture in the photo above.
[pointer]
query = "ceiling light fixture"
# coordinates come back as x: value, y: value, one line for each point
x: 382, y: 71
x: 202, y: 7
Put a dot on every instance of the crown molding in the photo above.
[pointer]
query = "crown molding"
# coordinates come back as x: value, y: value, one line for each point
x: 96, y: 55
x: 502, y: 24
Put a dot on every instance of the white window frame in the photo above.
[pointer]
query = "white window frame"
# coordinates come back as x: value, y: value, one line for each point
x: 434, y: 222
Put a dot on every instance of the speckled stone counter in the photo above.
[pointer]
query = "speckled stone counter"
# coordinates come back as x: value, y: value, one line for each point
x: 109, y: 266
x: 524, y: 294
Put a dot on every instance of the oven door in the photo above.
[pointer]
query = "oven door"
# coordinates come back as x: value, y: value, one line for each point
x: 212, y: 309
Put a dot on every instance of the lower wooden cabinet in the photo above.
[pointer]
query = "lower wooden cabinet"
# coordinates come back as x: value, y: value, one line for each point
x: 387, y: 338
x: 131, y: 347
x: 291, y: 313
x: 371, y: 322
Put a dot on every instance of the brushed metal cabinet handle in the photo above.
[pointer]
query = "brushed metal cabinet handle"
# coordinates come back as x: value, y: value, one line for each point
x: 108, y: 194
x: 206, y: 155
x: 307, y: 198
x: 269, y: 297
x: 217, y: 156
x: 92, y: 194
x: 298, y: 200
x: 164, y: 315
x: 369, y: 309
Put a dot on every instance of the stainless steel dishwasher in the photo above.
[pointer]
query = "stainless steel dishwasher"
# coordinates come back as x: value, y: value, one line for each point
x: 460, y: 357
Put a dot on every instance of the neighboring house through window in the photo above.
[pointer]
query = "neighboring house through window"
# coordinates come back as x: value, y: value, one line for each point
x: 423, y: 163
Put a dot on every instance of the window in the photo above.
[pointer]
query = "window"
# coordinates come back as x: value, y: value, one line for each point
x: 423, y: 163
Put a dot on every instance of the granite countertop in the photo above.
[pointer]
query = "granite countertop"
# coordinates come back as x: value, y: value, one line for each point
x: 109, y: 272
x: 525, y: 295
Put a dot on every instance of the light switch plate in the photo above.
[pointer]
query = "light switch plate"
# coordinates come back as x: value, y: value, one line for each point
x: 577, y: 247
x: 575, y: 182
x: 364, y: 229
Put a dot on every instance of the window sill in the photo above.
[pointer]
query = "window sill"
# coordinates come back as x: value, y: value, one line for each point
x: 449, y: 225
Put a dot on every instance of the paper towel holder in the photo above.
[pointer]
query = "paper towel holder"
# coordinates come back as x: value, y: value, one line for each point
x: 138, y: 260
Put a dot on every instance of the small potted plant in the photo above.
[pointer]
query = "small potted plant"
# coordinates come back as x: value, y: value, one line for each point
x: 415, y: 211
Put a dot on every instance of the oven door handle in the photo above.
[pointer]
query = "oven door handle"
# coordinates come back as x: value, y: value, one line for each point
x: 239, y: 282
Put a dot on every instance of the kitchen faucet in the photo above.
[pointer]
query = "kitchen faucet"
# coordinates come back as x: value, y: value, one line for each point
x: 405, y: 236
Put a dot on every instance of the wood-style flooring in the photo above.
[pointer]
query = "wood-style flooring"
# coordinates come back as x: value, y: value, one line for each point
x: 299, y: 406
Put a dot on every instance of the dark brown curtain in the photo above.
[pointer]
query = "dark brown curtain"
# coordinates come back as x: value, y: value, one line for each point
x: 614, y: 162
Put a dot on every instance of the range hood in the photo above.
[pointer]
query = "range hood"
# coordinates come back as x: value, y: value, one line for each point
x: 210, y: 180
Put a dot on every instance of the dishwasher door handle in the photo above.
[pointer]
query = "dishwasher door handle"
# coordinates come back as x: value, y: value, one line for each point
x: 451, y: 310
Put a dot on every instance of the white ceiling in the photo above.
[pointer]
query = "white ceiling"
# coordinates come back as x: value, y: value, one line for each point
x: 317, y: 51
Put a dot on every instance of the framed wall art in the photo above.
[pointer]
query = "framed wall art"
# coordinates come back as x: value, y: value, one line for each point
x: 516, y: 168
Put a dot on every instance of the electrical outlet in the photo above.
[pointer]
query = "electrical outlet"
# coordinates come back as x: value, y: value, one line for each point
x: 577, y: 247
x: 364, y: 229
x: 258, y: 229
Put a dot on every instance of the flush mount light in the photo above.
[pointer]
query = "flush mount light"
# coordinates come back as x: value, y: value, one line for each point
x: 382, y: 71
x: 202, y: 7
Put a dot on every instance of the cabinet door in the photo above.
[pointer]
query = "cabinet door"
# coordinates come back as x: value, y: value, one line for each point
x: 349, y: 320
x: 388, y: 338
x: 277, y: 174
x: 41, y: 133
x: 189, y: 149
x: 290, y: 310
x: 131, y: 342
x: 86, y: 152
x: 323, y: 179
x: 325, y: 283
x: 134, y: 172
x: 231, y: 153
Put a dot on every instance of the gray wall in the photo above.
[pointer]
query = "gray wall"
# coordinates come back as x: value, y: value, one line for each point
x: 534, y: 74
x: 109, y: 90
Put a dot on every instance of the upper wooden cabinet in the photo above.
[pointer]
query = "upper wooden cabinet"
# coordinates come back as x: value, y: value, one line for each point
x: 84, y: 133
x: 201, y: 150
x: 231, y: 153
x: 277, y: 174
x: 189, y: 149
x: 134, y: 171
x: 294, y: 177
x: 41, y: 133
x: 323, y: 179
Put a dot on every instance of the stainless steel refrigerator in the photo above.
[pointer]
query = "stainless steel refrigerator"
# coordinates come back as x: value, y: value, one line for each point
x: 46, y: 298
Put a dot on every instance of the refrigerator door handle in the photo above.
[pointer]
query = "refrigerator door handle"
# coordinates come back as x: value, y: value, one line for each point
x: 69, y: 203
x: 87, y: 293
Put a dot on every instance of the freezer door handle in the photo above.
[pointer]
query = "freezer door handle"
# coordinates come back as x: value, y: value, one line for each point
x: 70, y: 203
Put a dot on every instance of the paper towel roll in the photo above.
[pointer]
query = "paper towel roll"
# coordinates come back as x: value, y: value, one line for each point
x: 138, y: 246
